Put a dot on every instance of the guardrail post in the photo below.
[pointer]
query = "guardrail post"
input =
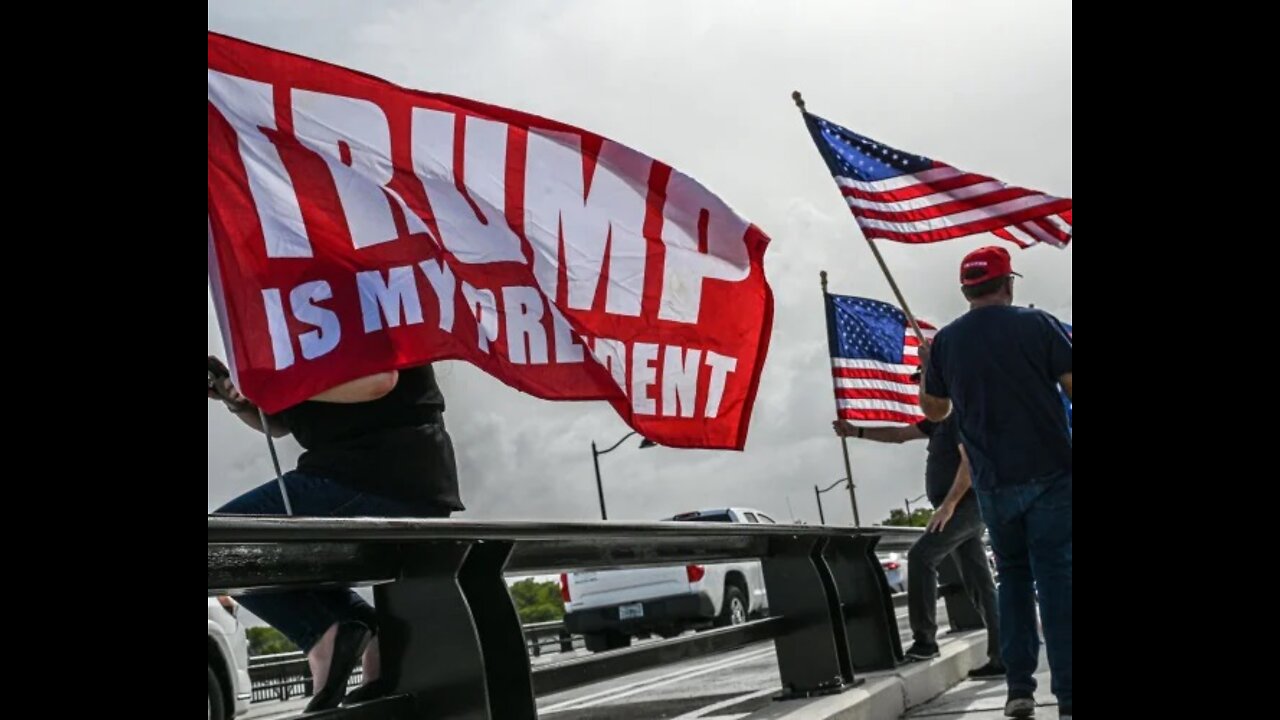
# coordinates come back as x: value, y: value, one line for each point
x: 810, y: 661
x: 865, y: 603
x: 961, y: 611
x: 566, y: 641
x: 506, y: 663
x: 427, y: 637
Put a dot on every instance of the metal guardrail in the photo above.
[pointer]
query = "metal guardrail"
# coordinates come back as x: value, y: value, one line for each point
x: 439, y: 584
x: 548, y: 634
x: 286, y: 675
x: 282, y: 676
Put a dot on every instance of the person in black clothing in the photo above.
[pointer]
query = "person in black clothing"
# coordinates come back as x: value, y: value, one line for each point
x: 375, y: 446
x: 956, y: 527
x: 1001, y: 371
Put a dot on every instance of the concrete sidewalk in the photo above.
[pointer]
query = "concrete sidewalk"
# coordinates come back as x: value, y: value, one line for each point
x: 984, y: 699
x: 887, y: 695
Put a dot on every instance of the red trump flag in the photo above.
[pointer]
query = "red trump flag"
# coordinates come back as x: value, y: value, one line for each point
x: 356, y: 226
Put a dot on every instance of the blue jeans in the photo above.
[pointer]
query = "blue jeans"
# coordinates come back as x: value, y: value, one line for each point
x: 1030, y: 526
x: 304, y: 615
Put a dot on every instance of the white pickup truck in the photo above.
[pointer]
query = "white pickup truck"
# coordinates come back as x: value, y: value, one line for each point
x: 608, y: 607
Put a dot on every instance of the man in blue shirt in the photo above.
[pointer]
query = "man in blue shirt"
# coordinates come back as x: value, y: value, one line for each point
x: 999, y: 368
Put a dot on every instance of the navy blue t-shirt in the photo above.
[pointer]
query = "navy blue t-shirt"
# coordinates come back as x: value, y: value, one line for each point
x: 1000, y: 366
x: 943, y: 460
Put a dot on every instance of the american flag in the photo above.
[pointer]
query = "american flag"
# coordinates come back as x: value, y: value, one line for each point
x: 873, y: 356
x: 908, y: 198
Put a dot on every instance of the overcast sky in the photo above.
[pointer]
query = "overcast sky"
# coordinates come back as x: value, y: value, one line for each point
x: 704, y: 86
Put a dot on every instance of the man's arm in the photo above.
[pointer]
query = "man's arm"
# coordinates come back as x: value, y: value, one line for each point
x: 241, y: 407
x: 365, y: 389
x: 962, y: 483
x: 935, y: 408
x: 1058, y: 343
x: 249, y: 416
x: 885, y: 434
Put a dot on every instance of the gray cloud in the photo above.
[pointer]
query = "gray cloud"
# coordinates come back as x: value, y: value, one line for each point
x: 705, y: 86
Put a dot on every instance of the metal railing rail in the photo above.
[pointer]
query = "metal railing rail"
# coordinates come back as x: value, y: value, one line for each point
x: 438, y: 584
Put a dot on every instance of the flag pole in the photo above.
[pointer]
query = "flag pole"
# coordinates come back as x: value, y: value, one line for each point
x: 902, y: 301
x: 275, y: 461
x: 844, y: 441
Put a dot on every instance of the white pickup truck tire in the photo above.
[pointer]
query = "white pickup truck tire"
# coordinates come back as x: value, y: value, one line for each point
x: 734, y: 609
x: 607, y: 640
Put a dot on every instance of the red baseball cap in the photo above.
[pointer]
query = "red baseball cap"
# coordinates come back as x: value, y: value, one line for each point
x: 985, y: 263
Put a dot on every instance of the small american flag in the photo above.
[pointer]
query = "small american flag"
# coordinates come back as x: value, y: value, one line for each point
x: 873, y: 356
x: 908, y: 198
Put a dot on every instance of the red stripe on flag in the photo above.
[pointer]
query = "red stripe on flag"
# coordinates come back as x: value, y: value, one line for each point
x: 874, y: 394
x: 1053, y: 230
x: 969, y: 228
x: 914, y: 191
x: 868, y: 374
x: 879, y: 416
x: 943, y: 209
x: 1006, y: 235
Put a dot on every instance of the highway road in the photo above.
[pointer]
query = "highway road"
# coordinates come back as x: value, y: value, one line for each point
x: 717, y: 687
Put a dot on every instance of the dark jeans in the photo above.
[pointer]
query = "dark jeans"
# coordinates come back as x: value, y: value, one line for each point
x: 1030, y: 527
x: 304, y: 615
x: 963, y: 536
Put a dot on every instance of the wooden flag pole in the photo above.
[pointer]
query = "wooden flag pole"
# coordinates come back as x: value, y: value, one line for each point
x: 902, y: 301
x: 844, y: 441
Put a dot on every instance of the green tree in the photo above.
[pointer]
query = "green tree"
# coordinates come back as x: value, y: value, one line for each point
x: 919, y: 518
x: 268, y: 641
x: 537, y: 601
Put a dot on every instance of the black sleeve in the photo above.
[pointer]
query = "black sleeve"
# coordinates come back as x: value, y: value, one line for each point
x: 1059, y: 346
x: 934, y: 383
x: 927, y: 426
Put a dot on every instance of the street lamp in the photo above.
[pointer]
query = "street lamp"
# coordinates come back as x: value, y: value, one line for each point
x: 908, y: 502
x: 817, y: 494
x: 595, y: 458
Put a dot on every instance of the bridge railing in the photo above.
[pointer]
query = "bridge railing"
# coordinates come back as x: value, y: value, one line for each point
x: 286, y: 675
x: 452, y: 644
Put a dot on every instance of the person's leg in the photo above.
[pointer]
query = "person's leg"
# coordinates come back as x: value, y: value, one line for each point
x: 1019, y: 642
x: 1049, y: 540
x: 350, y: 604
x: 922, y: 584
x: 300, y: 616
x: 981, y: 589
x: 309, y: 618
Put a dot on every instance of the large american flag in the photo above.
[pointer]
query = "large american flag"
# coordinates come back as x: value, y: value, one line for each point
x: 908, y: 198
x: 874, y: 353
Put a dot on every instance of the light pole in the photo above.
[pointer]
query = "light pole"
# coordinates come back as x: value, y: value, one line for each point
x: 595, y: 458
x: 817, y: 494
x: 908, y: 503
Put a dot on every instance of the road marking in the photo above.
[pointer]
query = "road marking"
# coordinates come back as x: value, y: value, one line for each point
x: 643, y: 685
x: 609, y: 691
x: 702, y: 712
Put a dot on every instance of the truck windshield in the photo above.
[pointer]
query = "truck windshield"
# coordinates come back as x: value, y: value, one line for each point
x: 713, y: 516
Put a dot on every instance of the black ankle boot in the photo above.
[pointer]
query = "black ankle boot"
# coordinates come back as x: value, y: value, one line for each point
x: 348, y: 646
x: 371, y: 690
